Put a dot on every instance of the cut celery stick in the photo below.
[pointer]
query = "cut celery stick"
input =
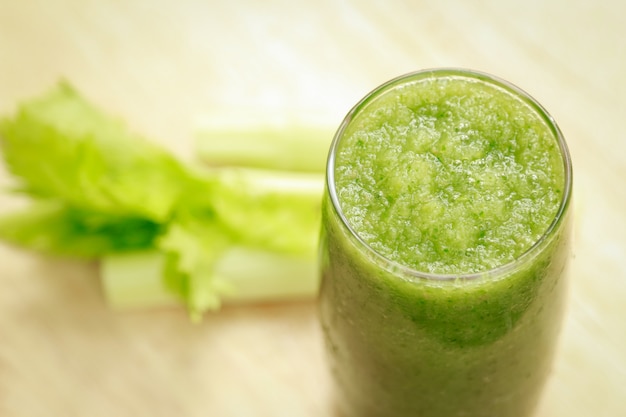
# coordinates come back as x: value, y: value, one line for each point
x: 280, y: 144
x: 134, y: 280
x: 262, y: 276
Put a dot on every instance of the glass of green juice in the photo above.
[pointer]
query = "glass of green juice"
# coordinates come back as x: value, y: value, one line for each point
x: 445, y: 240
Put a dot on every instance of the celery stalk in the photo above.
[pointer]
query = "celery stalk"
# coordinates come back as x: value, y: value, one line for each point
x: 263, y: 276
x: 135, y: 280
x: 265, y: 143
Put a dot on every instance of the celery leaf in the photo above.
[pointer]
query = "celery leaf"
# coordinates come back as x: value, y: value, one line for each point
x: 53, y: 228
x: 60, y: 146
x: 192, y: 243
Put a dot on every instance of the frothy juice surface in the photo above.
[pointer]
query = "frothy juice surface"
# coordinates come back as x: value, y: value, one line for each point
x: 449, y: 176
x: 445, y: 237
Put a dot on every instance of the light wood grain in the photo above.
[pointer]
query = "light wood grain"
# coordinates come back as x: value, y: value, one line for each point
x: 163, y: 65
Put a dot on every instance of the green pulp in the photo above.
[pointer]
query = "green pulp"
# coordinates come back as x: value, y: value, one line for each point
x: 447, y: 174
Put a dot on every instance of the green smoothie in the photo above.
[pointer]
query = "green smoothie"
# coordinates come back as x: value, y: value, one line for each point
x: 445, y: 237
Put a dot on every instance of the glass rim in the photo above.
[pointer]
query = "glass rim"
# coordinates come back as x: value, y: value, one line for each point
x: 470, y: 74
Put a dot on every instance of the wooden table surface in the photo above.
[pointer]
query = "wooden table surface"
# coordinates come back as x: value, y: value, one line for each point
x: 164, y: 65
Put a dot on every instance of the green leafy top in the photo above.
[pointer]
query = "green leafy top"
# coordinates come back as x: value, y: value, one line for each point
x: 62, y: 147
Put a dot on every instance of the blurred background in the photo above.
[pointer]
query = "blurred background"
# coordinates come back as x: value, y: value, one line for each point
x: 165, y: 66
